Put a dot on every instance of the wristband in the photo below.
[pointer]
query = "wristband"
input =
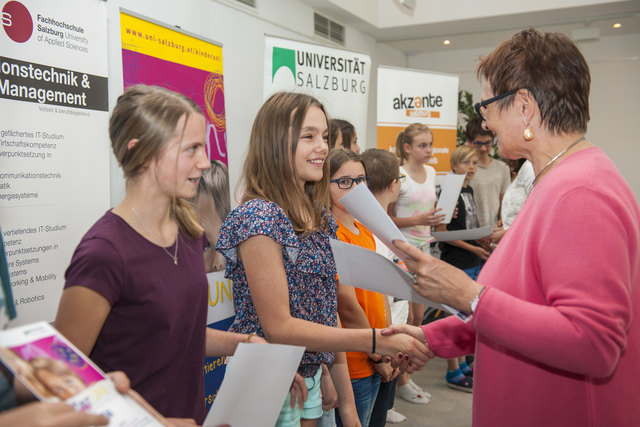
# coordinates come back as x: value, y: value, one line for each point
x: 248, y: 338
x: 379, y: 361
x: 373, y: 346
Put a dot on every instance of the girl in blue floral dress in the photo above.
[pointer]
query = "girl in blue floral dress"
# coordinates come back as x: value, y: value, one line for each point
x: 278, y: 255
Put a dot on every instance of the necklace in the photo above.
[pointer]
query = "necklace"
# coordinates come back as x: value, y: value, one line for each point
x: 553, y: 160
x: 175, y: 254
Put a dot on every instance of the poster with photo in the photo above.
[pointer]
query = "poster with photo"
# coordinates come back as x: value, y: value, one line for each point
x: 54, y: 370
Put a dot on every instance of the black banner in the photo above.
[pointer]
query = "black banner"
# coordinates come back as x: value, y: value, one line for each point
x: 43, y: 84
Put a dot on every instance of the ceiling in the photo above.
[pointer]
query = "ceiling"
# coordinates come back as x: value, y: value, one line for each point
x: 487, y: 31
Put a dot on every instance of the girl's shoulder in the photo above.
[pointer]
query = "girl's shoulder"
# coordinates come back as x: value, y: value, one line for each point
x: 259, y: 207
x: 431, y: 172
x: 257, y: 217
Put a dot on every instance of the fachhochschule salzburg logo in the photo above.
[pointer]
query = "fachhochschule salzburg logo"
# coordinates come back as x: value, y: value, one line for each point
x: 16, y: 21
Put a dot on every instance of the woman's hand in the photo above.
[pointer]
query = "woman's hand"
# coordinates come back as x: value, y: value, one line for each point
x: 390, y: 345
x: 438, y: 281
x: 431, y: 217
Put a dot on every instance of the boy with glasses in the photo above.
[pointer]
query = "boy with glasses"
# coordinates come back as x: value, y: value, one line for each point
x: 492, y: 177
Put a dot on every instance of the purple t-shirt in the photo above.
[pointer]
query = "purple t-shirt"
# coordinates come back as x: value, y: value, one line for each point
x: 155, y: 331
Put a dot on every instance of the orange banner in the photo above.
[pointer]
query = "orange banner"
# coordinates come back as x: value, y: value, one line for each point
x: 444, y: 142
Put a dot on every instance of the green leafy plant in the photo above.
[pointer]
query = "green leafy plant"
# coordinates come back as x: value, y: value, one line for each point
x: 466, y: 111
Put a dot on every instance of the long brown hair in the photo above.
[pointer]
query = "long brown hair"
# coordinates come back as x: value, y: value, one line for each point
x: 269, y: 173
x: 151, y: 114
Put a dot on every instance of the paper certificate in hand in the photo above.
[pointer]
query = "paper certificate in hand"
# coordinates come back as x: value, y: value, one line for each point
x: 54, y: 370
x: 257, y: 381
x: 365, y: 208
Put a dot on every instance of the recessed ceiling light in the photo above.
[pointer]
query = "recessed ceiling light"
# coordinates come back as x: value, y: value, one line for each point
x: 617, y: 25
x: 446, y: 42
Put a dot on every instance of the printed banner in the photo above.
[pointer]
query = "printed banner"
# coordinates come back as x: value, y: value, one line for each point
x: 156, y: 54
x: 54, y: 149
x: 337, y: 78
x: 411, y: 96
x: 219, y: 316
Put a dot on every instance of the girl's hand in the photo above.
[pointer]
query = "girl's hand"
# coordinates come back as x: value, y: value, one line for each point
x: 349, y: 416
x: 481, y: 252
x: 298, y: 391
x: 50, y: 414
x: 431, y: 217
x: 328, y: 390
x: 386, y: 371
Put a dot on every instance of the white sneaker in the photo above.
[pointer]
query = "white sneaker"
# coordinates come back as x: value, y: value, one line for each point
x: 419, y: 389
x: 407, y: 393
x: 395, y: 417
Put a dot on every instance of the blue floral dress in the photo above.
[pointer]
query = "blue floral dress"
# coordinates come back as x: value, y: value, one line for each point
x: 308, y: 263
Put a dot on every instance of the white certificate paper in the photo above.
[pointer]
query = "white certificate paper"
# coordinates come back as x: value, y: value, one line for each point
x: 366, y: 269
x: 449, y: 195
x: 365, y: 208
x: 70, y: 376
x: 467, y: 234
x: 255, y: 385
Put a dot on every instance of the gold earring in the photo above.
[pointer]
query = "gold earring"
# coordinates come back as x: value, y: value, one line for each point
x: 527, y: 134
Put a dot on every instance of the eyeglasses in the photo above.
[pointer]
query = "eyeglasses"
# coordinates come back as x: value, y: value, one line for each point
x: 401, y: 178
x: 481, y: 107
x: 347, y: 183
x: 479, y: 144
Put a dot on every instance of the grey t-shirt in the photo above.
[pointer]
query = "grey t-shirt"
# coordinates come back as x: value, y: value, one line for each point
x: 488, y: 184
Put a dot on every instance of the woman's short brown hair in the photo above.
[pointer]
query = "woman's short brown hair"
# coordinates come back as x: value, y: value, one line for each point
x: 551, y: 67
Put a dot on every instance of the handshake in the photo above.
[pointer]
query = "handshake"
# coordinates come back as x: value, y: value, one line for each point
x: 404, y: 346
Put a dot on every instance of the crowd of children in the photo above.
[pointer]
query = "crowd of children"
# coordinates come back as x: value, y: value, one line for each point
x: 141, y: 263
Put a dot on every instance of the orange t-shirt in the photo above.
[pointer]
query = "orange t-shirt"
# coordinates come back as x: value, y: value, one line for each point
x: 371, y: 302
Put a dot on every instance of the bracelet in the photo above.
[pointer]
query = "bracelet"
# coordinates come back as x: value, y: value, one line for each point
x: 373, y: 346
x: 248, y: 338
x: 379, y: 361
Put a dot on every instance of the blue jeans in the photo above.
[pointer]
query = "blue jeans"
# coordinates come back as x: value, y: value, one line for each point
x: 328, y: 418
x: 473, y: 272
x: 365, y: 391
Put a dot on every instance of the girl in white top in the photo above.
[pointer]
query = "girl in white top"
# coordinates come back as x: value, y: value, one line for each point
x: 414, y: 213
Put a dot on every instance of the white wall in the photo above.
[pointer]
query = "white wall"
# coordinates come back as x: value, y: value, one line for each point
x: 242, y: 37
x: 614, y: 101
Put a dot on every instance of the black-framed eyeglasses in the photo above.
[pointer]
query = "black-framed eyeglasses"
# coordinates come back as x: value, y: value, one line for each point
x: 479, y: 144
x: 401, y: 178
x: 347, y: 183
x: 481, y: 107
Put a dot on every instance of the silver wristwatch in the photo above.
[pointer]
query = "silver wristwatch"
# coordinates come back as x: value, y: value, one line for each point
x: 474, y: 302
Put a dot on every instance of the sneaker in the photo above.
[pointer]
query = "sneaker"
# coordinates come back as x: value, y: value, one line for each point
x: 395, y: 417
x: 465, y: 384
x: 410, y: 395
x: 419, y: 389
